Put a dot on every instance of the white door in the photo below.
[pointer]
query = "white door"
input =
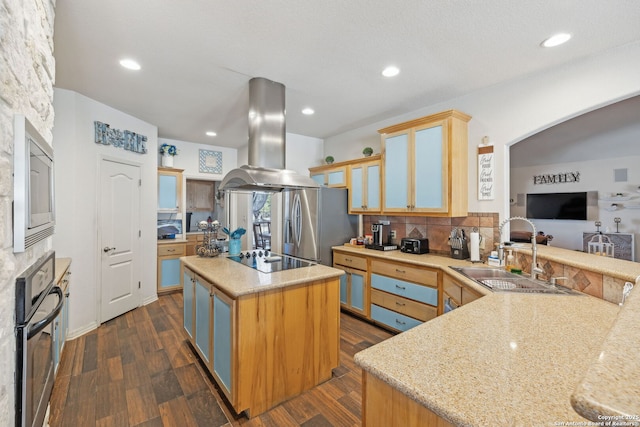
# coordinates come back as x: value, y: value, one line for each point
x: 119, y: 218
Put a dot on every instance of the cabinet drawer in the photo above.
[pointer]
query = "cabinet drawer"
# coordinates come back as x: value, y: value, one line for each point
x: 404, y: 306
x: 406, y: 272
x: 177, y: 249
x: 452, y: 288
x: 392, y: 319
x: 349, y: 260
x: 420, y: 293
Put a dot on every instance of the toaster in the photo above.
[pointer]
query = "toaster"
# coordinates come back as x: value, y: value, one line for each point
x: 414, y: 246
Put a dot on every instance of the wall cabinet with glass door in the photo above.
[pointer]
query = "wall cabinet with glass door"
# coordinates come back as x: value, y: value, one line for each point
x: 169, y: 189
x: 334, y: 175
x: 425, y: 165
x: 364, y: 186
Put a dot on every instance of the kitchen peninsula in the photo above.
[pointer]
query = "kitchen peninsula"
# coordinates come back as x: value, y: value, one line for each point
x: 265, y: 337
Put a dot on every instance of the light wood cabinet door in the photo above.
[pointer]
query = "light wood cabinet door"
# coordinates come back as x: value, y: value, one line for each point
x: 364, y: 188
x: 169, y: 189
x: 425, y: 166
x: 200, y: 196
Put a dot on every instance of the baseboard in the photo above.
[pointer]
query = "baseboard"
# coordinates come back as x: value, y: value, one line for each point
x: 79, y: 332
x: 150, y: 299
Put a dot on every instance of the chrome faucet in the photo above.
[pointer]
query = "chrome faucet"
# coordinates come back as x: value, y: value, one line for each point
x: 535, y: 270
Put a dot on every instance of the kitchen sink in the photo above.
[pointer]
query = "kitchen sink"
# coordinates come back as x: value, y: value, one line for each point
x: 499, y: 280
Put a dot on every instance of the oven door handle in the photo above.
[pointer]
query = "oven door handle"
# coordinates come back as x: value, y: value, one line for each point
x: 38, y: 326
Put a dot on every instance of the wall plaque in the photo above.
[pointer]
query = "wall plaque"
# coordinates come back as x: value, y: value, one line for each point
x: 486, y: 173
x: 106, y: 135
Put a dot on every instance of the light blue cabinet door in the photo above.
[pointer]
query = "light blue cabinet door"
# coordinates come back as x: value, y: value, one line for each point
x: 343, y: 288
x: 395, y: 286
x: 428, y: 163
x: 336, y: 177
x: 373, y: 187
x: 396, y: 178
x: 357, y: 291
x: 356, y: 188
x: 319, y: 178
x: 222, y: 341
x: 170, y: 271
x: 187, y: 297
x: 203, y: 318
x: 167, y: 191
x: 393, y: 319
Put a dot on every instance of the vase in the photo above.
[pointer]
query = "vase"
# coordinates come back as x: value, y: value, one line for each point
x: 234, y: 247
x: 167, y: 160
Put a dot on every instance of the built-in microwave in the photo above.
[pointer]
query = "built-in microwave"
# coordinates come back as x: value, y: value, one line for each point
x: 33, y: 203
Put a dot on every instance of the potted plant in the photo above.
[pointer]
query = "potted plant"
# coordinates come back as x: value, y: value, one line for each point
x: 329, y: 159
x: 168, y: 151
x: 367, y: 151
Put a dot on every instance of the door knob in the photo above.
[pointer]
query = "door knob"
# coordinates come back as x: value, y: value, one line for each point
x: 107, y: 249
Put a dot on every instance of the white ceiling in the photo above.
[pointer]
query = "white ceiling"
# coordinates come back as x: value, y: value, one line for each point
x: 197, y: 56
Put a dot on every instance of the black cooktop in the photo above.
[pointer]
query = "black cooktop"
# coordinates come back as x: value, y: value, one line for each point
x: 269, y: 262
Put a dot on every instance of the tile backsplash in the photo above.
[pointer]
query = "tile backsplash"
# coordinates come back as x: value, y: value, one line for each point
x: 438, y: 229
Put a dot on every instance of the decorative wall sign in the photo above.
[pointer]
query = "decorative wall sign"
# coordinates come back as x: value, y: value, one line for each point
x: 210, y: 161
x: 486, y: 172
x: 126, y: 139
x: 557, y: 178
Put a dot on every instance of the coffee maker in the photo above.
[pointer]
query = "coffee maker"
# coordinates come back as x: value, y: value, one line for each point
x: 381, y: 237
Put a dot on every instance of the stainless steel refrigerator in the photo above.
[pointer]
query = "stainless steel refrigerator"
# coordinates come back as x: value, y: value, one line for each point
x: 314, y: 220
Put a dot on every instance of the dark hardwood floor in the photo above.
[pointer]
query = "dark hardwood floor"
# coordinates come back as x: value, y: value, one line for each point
x: 139, y: 370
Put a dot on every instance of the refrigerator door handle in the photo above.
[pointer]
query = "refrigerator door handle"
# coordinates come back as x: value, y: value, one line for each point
x: 296, y: 219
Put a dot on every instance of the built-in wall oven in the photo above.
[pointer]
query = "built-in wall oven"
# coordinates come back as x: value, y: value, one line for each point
x: 38, y: 303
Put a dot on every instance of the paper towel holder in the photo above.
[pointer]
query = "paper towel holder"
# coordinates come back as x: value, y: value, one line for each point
x: 474, y: 245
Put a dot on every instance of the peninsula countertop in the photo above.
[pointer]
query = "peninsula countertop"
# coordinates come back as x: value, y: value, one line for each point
x: 236, y: 279
x: 505, y: 359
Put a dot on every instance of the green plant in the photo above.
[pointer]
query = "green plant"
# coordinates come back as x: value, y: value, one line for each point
x: 329, y: 159
x: 367, y: 151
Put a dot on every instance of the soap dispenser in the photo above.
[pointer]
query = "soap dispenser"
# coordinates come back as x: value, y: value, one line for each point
x: 510, y: 261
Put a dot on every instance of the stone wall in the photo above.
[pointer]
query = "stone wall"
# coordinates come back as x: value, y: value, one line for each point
x: 27, y: 73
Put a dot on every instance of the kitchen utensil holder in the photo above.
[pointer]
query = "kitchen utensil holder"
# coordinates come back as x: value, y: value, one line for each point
x: 461, y: 252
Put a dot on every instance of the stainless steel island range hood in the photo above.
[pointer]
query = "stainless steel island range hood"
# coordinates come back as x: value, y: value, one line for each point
x: 266, y: 169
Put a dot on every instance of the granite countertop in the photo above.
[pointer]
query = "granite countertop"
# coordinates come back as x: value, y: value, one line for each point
x: 236, y: 279
x: 61, y: 265
x: 170, y: 241
x: 610, y: 389
x: 505, y: 359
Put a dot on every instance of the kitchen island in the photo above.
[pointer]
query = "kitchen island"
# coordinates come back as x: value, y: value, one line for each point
x: 265, y: 337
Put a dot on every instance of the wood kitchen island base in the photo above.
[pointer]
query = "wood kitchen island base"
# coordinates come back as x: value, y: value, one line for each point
x: 267, y: 346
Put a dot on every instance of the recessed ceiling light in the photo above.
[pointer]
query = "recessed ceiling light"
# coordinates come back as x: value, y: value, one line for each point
x: 211, y: 133
x: 391, y: 71
x: 307, y: 111
x: 556, y: 40
x: 130, y: 64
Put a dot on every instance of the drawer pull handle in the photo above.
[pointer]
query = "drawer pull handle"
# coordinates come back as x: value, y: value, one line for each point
x: 348, y: 259
x: 401, y: 287
x: 171, y: 250
x: 401, y: 304
x: 400, y: 271
x: 400, y: 322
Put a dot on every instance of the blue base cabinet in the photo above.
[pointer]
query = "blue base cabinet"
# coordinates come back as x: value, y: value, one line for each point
x: 402, y: 295
x: 169, y: 254
x: 354, y: 288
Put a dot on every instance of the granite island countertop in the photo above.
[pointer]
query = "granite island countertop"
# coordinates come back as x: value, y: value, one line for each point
x: 610, y: 388
x: 236, y: 279
x: 505, y: 359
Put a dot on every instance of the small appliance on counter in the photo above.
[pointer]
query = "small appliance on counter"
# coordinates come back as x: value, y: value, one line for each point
x: 414, y: 246
x: 381, y: 237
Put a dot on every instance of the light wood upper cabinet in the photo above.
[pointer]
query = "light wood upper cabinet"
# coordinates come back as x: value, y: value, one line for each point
x: 169, y: 189
x: 424, y: 166
x: 200, y: 196
x: 364, y: 187
x: 334, y: 175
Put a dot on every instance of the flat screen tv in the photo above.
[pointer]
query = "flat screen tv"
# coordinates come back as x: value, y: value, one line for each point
x: 558, y: 206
